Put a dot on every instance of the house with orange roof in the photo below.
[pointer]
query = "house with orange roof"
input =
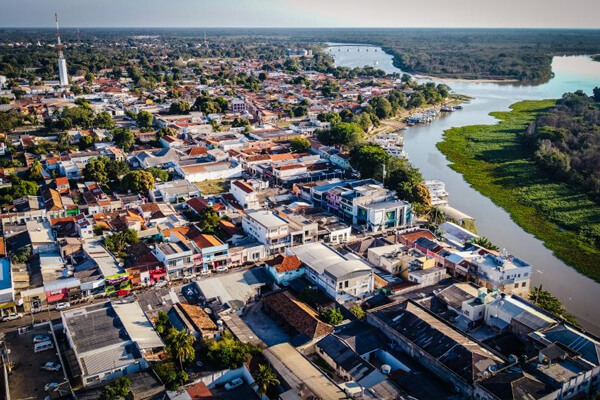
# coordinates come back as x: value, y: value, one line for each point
x: 245, y: 195
x: 62, y: 185
x: 285, y: 268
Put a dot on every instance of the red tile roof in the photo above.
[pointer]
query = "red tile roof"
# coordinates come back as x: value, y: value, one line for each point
x: 285, y: 263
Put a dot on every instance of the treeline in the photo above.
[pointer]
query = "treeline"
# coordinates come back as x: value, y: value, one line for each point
x: 566, y: 140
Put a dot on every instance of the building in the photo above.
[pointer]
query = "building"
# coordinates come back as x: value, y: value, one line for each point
x: 446, y: 352
x: 508, y: 274
x: 300, y: 318
x: 302, y: 378
x: 175, y: 191
x: 269, y: 229
x: 109, y: 341
x: 245, y: 194
x: 209, y: 171
x: 285, y: 269
x: 7, y: 293
x: 176, y: 257
x: 344, y: 278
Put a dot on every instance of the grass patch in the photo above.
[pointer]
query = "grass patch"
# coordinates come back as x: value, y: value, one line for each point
x: 493, y: 160
x: 215, y: 186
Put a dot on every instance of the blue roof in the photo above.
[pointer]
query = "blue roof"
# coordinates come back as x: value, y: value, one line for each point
x: 5, y: 280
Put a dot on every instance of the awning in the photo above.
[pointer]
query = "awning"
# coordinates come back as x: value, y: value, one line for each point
x: 10, y: 304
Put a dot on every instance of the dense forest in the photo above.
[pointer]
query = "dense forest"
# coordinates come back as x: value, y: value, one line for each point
x: 567, y: 140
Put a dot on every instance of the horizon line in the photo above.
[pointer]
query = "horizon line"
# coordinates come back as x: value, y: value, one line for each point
x: 303, y: 27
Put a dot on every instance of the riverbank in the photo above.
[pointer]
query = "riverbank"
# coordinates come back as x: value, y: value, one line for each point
x: 492, y: 160
x: 463, y: 80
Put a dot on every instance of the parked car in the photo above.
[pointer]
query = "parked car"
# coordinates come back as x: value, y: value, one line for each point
x: 12, y: 317
x: 161, y: 283
x: 40, y: 338
x: 50, y: 366
x: 233, y: 384
x: 221, y: 268
x: 52, y: 386
x: 62, y: 306
x: 205, y: 272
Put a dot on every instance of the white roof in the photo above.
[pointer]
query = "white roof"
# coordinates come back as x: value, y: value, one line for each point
x: 321, y: 258
x: 137, y: 325
x: 106, y: 262
x: 39, y: 232
x: 267, y: 219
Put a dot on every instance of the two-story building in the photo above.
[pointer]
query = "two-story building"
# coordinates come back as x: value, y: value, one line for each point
x: 503, y: 272
x: 176, y: 257
x: 269, y: 229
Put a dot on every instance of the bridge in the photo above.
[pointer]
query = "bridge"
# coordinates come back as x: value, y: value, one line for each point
x: 358, y: 46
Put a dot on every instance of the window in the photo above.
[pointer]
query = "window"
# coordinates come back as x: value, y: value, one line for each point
x: 516, y: 285
x: 523, y: 284
x: 346, y: 284
x: 340, y: 285
x: 526, y: 274
x: 480, y: 313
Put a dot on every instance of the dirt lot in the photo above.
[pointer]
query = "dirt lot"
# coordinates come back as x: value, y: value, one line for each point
x: 264, y: 327
x: 27, y: 380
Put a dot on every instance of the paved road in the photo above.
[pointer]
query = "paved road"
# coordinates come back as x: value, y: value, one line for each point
x: 53, y: 315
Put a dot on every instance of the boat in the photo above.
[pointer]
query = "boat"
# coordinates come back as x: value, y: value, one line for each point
x: 458, y: 107
x: 447, y: 109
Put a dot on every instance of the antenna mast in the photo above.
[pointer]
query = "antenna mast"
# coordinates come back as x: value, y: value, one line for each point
x: 60, y: 47
x: 62, y: 63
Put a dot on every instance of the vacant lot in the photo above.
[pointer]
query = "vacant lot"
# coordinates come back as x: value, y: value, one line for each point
x: 215, y: 186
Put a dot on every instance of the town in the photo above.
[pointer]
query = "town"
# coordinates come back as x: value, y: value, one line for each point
x: 245, y: 228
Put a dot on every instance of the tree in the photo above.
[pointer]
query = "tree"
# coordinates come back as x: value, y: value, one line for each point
x: 228, y: 352
x: 179, y: 107
x: 144, y: 119
x: 95, y: 170
x: 20, y: 187
x: 117, y: 389
x: 368, y: 159
x: 357, y: 311
x: 416, y: 100
x: 436, y: 216
x: 597, y: 94
x: 382, y: 107
x: 545, y: 300
x: 85, y: 142
x: 158, y: 173
x: 35, y: 171
x: 485, y: 243
x: 164, y: 131
x: 115, y: 169
x: 138, y: 181
x: 299, y: 145
x: 208, y: 220
x: 180, y: 344
x: 343, y: 134
x: 104, y: 121
x: 162, y: 323
x: 118, y: 242
x: 262, y: 76
x: 240, y: 122
x: 170, y: 375
x: 332, y: 316
x: 265, y: 378
x: 123, y: 138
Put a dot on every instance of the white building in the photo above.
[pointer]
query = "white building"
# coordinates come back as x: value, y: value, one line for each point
x: 245, y: 194
x: 508, y: 274
x: 209, y: 171
x: 269, y: 229
x: 343, y: 278
x: 174, y: 192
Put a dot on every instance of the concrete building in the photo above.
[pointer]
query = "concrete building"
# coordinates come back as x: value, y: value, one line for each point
x: 269, y: 229
x: 343, y: 278
x: 176, y: 257
x: 109, y: 341
x: 508, y: 274
x: 245, y: 194
x: 175, y: 191
x: 208, y: 171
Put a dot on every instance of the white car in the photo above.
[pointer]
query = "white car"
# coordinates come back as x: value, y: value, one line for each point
x: 50, y: 366
x: 236, y: 383
x: 161, y: 283
x: 62, y: 306
x: 205, y: 272
x: 221, y: 268
x: 12, y: 316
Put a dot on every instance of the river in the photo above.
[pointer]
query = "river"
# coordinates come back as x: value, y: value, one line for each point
x: 578, y: 293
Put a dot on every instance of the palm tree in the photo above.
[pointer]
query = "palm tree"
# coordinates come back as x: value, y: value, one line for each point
x: 181, y: 345
x: 162, y: 323
x: 265, y: 378
x: 485, y: 243
x: 436, y: 216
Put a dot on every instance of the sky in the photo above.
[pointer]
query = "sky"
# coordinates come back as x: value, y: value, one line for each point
x: 302, y: 13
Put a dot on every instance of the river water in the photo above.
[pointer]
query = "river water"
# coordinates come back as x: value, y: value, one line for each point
x: 579, y: 293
